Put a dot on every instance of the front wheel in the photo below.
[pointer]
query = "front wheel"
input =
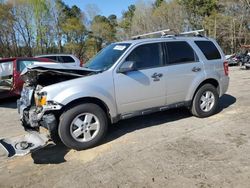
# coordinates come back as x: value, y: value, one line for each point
x: 83, y: 126
x: 205, y: 101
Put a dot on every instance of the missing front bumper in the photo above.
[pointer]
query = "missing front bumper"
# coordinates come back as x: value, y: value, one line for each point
x: 20, y: 146
x: 33, y: 118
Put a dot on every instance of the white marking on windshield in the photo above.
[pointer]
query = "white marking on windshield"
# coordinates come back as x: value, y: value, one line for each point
x: 119, y: 47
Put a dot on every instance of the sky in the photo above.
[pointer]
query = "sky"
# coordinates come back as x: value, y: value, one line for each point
x: 106, y: 7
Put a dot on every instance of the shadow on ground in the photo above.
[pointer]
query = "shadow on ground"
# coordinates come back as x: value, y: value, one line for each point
x: 8, y: 103
x: 54, y: 154
x: 130, y: 125
x: 226, y: 101
x: 51, y: 154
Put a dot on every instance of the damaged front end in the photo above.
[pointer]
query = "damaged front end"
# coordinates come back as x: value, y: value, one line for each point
x: 37, y: 109
x: 34, y: 106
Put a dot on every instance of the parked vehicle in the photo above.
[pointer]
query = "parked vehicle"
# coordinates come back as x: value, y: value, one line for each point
x: 10, y: 69
x: 247, y: 65
x: 232, y: 60
x: 124, y: 80
x: 243, y: 58
x: 67, y: 59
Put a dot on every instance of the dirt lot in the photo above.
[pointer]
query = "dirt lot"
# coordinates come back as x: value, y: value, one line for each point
x: 167, y: 149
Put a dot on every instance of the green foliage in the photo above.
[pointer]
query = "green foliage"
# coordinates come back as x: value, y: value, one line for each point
x: 127, y: 18
x: 30, y: 27
x: 158, y: 3
x: 198, y: 9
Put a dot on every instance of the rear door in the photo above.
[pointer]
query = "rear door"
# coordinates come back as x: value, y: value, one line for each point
x: 183, y: 68
x: 141, y: 89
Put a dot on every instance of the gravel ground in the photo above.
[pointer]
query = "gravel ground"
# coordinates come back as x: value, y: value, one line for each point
x: 166, y: 149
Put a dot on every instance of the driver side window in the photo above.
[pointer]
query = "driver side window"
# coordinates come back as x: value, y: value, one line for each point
x: 146, y: 56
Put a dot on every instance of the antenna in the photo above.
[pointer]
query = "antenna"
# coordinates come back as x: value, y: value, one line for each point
x: 162, y: 32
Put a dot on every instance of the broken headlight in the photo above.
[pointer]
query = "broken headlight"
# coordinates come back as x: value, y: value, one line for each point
x: 41, y: 99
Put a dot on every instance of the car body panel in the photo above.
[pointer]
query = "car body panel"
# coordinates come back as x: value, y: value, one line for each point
x: 94, y: 86
x: 137, y: 90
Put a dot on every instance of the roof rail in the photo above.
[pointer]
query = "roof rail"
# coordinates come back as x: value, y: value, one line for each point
x: 162, y: 32
x: 195, y: 32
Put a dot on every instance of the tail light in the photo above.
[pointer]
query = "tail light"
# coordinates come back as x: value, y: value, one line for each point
x: 226, y: 69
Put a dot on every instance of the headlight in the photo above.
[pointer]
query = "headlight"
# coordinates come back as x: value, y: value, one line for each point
x: 41, y: 99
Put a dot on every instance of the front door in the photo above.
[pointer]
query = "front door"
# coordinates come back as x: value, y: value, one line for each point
x: 145, y: 87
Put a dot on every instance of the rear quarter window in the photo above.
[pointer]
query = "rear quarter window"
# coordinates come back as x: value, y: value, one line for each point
x: 208, y: 49
x: 67, y: 59
x: 6, y: 69
x: 51, y: 57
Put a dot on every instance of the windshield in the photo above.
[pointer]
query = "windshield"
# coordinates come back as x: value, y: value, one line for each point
x: 107, y: 57
x: 23, y: 64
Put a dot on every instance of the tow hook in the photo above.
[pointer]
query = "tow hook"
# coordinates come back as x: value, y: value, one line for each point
x: 23, y: 145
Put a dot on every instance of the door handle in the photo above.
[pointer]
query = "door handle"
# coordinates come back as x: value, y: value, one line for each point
x: 196, y: 69
x: 157, y: 75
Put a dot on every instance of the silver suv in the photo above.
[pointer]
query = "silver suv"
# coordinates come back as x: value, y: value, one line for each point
x: 124, y: 80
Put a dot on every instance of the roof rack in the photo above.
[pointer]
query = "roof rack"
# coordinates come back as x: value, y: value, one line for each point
x: 195, y: 32
x: 164, y: 33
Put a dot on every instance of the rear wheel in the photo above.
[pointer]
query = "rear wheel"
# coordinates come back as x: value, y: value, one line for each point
x: 205, y: 101
x: 83, y: 126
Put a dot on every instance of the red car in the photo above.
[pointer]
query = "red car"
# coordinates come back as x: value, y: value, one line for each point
x: 10, y: 69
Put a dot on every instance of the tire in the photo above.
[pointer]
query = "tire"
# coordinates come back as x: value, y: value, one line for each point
x: 54, y: 136
x: 83, y: 126
x: 205, y: 101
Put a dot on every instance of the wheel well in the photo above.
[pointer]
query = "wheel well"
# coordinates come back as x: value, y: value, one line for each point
x: 211, y: 81
x: 93, y: 100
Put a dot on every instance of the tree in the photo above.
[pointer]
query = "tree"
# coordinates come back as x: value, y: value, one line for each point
x: 168, y: 15
x: 198, y: 9
x: 158, y: 3
x: 141, y: 21
x: 92, y: 11
x: 126, y: 22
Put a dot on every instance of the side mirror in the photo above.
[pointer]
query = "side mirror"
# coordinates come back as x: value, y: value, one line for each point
x: 127, y: 66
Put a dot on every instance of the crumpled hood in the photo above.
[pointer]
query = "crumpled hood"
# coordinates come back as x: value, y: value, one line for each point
x: 56, y: 67
x: 50, y: 73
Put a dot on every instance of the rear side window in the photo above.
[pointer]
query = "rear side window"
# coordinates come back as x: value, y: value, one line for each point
x: 180, y: 52
x: 146, y: 56
x: 67, y: 59
x: 51, y: 57
x: 6, y: 69
x: 209, y: 49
